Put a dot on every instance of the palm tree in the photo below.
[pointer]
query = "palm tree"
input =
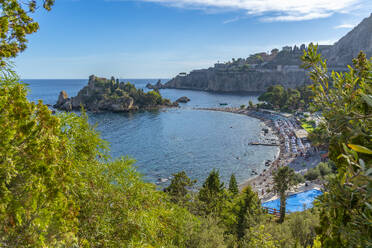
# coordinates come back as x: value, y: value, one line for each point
x: 284, y: 178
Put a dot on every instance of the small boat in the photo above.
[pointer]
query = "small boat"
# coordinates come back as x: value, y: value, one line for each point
x: 223, y: 103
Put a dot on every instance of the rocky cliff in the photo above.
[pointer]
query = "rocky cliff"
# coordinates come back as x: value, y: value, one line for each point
x: 102, y: 94
x: 248, y: 81
x: 261, y: 70
x: 348, y: 47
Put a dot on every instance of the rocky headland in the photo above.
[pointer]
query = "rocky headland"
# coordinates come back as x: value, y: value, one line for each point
x: 103, y: 94
x: 261, y: 70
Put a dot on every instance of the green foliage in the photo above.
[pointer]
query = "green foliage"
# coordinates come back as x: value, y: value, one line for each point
x: 15, y: 24
x: 249, y: 211
x: 153, y: 98
x: 344, y: 99
x: 312, y: 174
x: 129, y: 212
x: 208, y: 235
x: 320, y: 171
x: 284, y: 179
x: 122, y: 93
x: 233, y: 185
x: 324, y: 169
x: 298, y: 178
x: 289, y: 99
x: 179, y: 187
x: 212, y: 194
x: 274, y: 95
x: 242, y: 106
x: 307, y: 125
x: 36, y: 173
x: 297, y: 230
x: 258, y: 237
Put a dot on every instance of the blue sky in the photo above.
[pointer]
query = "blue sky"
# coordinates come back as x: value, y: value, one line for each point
x: 160, y: 38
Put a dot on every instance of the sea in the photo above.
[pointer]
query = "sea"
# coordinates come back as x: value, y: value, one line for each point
x: 167, y: 141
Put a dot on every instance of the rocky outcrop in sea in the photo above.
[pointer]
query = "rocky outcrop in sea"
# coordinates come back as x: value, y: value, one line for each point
x: 156, y: 86
x: 183, y: 99
x: 102, y: 94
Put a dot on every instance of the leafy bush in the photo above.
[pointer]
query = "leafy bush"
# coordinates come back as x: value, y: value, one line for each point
x: 299, y: 178
x: 312, y: 174
x: 298, y: 230
x: 321, y: 170
x: 208, y: 235
x: 324, y: 169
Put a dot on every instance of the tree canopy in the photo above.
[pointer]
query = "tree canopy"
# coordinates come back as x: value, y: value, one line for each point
x: 16, y: 23
x: 233, y: 185
x: 288, y: 99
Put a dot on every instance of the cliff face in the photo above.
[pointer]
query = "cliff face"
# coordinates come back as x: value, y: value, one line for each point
x: 348, y: 47
x: 248, y: 81
x: 261, y: 70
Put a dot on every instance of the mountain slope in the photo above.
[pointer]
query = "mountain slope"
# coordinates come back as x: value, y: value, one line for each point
x: 348, y: 47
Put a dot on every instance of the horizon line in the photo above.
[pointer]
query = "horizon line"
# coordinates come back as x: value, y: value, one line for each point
x: 155, y: 78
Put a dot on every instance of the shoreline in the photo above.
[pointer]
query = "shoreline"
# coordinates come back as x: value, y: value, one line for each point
x: 262, y: 183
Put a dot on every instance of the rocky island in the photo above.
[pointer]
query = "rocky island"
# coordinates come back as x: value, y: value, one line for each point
x: 103, y: 94
x: 156, y: 86
x: 262, y: 70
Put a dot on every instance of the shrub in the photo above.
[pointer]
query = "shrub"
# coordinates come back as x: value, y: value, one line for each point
x: 299, y: 178
x: 324, y: 169
x: 312, y: 174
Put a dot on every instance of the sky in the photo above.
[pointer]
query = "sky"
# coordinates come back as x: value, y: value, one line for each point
x: 161, y: 38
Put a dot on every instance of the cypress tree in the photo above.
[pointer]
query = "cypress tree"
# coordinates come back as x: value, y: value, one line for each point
x: 233, y: 185
x: 250, y: 211
x: 178, y: 188
x: 211, y: 193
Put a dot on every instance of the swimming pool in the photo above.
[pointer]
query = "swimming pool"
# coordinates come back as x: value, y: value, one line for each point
x: 296, y: 202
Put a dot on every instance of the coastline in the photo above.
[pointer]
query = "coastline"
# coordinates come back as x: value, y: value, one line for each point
x: 263, y: 182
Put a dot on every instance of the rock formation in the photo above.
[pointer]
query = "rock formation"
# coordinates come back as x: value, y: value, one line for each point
x: 183, y: 99
x: 102, y: 94
x: 348, y: 47
x: 156, y: 86
x: 261, y: 70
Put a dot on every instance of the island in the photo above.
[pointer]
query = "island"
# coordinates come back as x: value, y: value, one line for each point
x: 103, y: 94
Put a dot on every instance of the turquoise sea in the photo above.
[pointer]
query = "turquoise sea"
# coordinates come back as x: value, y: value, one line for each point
x: 171, y: 140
